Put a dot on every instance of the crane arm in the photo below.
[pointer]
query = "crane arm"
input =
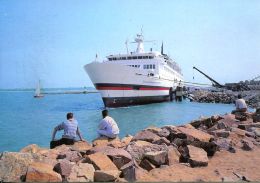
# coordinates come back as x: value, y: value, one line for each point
x: 215, y: 82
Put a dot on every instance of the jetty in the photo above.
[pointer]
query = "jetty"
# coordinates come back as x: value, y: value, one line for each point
x: 69, y: 92
x: 217, y: 148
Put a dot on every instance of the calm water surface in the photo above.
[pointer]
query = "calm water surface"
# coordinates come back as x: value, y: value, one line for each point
x: 25, y: 120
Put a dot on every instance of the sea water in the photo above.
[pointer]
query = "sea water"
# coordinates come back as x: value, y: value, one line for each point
x: 27, y: 120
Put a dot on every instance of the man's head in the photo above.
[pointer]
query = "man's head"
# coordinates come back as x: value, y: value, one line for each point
x: 104, y: 113
x: 69, y: 115
x: 239, y: 96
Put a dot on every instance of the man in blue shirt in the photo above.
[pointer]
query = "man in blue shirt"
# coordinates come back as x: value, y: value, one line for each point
x: 71, y: 130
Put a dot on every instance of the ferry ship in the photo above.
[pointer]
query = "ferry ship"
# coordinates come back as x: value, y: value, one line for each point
x: 135, y: 78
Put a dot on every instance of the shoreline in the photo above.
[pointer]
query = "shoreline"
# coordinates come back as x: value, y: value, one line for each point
x: 216, y: 148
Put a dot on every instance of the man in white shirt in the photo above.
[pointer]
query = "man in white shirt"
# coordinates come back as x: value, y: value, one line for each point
x: 107, y: 126
x: 240, y: 105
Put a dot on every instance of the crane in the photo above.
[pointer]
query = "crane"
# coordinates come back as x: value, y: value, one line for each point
x: 215, y: 83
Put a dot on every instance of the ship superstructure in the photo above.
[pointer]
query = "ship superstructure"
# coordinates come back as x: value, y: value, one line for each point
x: 135, y: 78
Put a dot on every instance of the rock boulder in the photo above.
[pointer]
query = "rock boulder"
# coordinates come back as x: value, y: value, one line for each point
x: 41, y: 172
x: 157, y: 158
x: 197, y: 156
x: 83, y: 172
x: 102, y: 162
x: 146, y: 135
x: 13, y: 166
x: 106, y: 175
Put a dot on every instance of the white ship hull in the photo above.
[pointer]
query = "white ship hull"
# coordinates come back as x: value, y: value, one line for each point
x: 121, y: 85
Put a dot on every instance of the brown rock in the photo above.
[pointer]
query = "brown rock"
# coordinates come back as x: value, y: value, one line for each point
x: 220, y: 133
x: 146, y: 135
x: 41, y: 172
x: 100, y: 141
x: 49, y: 153
x: 147, y: 165
x: 197, y: 156
x: 33, y: 148
x: 81, y: 146
x: 257, y: 131
x: 170, y: 128
x: 196, y: 134
x: 63, y: 167
x: 256, y: 118
x: 238, y: 131
x: 157, y: 158
x: 173, y: 155
x: 49, y: 161
x: 13, y: 166
x: 247, y: 145
x: 104, y: 141
x: 250, y: 134
x: 162, y: 140
x: 240, y: 117
x: 128, y: 171
x: 209, y: 147
x: 62, y: 148
x: 153, y: 129
x: 72, y: 156
x: 188, y: 126
x: 140, y: 173
x: 116, y: 143
x: 138, y: 148
x: 126, y: 140
x: 83, y: 172
x: 225, y: 144
x: 196, y: 123
x: 120, y: 157
x: 106, y: 176
x: 102, y: 162
x: 164, y: 133
x: 98, y: 149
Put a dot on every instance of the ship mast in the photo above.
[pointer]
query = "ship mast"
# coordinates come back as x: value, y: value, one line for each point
x: 140, y: 43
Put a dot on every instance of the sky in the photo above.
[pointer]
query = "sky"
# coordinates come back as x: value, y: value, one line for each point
x: 51, y: 40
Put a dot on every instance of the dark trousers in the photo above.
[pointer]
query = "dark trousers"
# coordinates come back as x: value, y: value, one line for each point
x: 61, y: 141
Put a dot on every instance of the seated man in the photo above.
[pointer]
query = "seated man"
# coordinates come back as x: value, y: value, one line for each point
x: 240, y: 105
x: 71, y: 130
x: 107, y: 126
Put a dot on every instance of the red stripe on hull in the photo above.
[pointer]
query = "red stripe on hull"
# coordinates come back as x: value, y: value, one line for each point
x: 127, y: 88
x: 154, y: 88
x: 113, y: 88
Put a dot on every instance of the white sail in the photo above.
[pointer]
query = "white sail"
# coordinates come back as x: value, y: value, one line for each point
x: 38, y: 90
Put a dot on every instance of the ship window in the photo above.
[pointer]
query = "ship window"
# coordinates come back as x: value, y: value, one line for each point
x: 109, y: 59
x: 129, y: 58
x: 114, y: 58
x: 134, y: 57
x: 144, y: 66
x: 123, y: 58
x: 139, y: 57
x: 145, y: 57
x: 151, y: 57
x: 153, y: 66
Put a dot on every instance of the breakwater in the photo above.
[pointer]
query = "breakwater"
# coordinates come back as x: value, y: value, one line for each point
x: 252, y: 97
x: 216, y: 148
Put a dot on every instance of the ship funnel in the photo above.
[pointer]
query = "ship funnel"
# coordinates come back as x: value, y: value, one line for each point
x: 162, y: 49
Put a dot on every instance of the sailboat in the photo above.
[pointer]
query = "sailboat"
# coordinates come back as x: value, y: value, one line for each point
x: 38, y: 91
